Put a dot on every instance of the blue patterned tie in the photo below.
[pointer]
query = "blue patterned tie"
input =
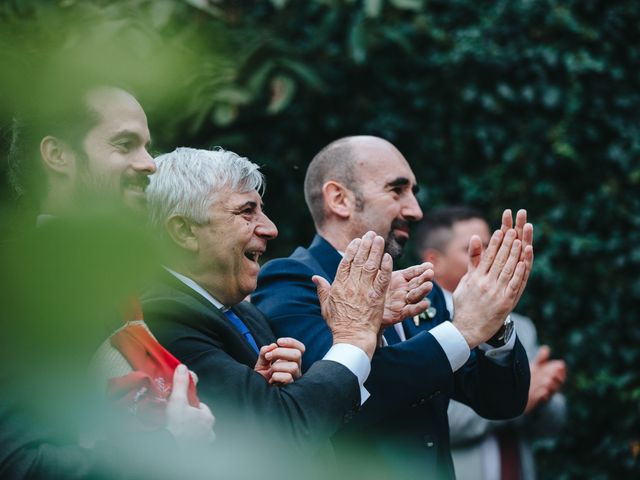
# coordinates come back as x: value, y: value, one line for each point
x: 242, y: 328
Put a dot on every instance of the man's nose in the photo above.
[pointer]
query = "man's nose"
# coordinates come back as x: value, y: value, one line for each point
x: 266, y: 228
x: 144, y: 163
x: 411, y: 209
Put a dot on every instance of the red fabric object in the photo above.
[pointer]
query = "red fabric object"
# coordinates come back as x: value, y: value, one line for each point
x: 146, y: 390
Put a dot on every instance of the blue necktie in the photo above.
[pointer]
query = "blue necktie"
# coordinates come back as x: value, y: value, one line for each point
x: 242, y: 328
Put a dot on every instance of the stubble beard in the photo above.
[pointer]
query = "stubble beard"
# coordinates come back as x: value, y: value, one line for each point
x: 393, y: 246
x: 99, y: 190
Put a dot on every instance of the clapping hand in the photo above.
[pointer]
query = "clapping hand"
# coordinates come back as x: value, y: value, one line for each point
x: 406, y: 294
x: 353, y: 304
x: 281, y: 362
x: 495, y: 279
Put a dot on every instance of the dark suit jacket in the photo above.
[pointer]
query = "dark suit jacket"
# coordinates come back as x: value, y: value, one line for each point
x: 306, y: 412
x: 405, y: 420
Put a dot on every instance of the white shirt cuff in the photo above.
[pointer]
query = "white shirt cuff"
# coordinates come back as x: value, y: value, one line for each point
x: 355, y: 360
x: 500, y: 355
x: 453, y: 343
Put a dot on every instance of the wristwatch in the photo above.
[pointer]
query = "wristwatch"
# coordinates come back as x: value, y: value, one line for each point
x: 503, y: 335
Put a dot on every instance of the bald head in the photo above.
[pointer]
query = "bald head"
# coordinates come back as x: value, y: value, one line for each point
x: 340, y: 161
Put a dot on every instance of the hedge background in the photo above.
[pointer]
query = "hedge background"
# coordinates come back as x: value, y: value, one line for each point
x: 498, y: 104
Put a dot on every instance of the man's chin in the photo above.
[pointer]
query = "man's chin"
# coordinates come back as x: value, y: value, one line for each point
x: 135, y: 202
x: 394, y: 247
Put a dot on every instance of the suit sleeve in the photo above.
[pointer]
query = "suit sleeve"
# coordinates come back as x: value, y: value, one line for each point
x: 401, y: 374
x: 493, y: 391
x: 306, y: 412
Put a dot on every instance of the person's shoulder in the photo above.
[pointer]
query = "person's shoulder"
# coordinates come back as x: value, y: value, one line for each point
x: 246, y: 308
x: 168, y: 299
x: 162, y: 289
x: 283, y: 279
x: 298, y: 262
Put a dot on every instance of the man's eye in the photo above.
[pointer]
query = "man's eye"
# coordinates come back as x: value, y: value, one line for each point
x: 124, y: 146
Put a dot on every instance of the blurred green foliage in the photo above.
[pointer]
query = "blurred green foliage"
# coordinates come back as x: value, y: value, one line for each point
x: 504, y: 103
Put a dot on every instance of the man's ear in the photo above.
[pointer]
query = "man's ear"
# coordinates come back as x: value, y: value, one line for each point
x: 57, y: 156
x: 338, y: 199
x: 182, y: 231
x: 431, y: 255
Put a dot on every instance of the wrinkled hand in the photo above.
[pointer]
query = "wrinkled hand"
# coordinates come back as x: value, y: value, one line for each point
x: 547, y: 377
x: 281, y: 362
x: 406, y: 294
x: 188, y: 424
x: 354, y: 304
x: 494, y: 281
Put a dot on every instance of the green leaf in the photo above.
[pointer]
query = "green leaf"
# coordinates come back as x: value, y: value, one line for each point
x: 415, y: 5
x: 282, y: 91
x: 224, y: 114
x: 358, y: 40
x: 161, y: 12
x: 279, y: 4
x: 372, y: 8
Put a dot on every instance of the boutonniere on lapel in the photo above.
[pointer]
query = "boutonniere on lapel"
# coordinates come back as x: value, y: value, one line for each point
x: 427, y: 315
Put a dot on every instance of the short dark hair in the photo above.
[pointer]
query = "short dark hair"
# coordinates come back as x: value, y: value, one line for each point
x: 58, y: 106
x: 334, y: 162
x: 435, y: 229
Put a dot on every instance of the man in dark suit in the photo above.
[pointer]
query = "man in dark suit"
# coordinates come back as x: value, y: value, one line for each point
x: 208, y: 206
x: 364, y: 183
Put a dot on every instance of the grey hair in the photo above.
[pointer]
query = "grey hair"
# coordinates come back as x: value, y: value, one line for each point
x: 188, y: 180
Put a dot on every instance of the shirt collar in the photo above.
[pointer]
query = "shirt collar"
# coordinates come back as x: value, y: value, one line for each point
x: 448, y: 299
x: 197, y: 288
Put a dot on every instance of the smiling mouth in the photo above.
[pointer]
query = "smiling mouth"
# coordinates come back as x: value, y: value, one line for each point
x: 137, y: 184
x: 253, y: 255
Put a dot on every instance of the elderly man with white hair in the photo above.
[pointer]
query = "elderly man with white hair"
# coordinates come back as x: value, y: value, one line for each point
x: 208, y: 206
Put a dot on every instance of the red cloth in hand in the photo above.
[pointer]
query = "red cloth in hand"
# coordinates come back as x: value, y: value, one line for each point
x: 146, y: 390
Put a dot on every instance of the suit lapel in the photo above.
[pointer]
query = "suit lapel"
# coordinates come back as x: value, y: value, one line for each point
x: 255, y: 322
x: 410, y: 328
x: 237, y: 343
x: 391, y: 336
